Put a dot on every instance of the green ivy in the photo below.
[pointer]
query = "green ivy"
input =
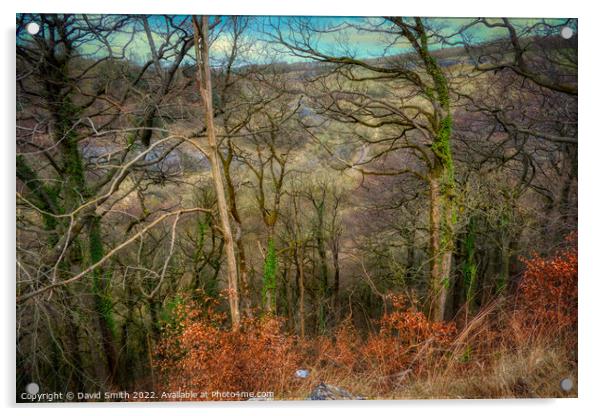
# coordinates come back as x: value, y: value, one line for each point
x: 40, y: 191
x: 167, y: 316
x: 470, y: 266
x: 104, y: 304
x: 201, y: 231
x: 269, y: 274
x: 442, y: 148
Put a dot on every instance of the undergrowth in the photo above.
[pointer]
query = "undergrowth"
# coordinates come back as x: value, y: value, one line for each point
x: 519, y: 346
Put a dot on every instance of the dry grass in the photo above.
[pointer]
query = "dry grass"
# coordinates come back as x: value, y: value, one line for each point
x: 531, y: 372
x: 482, y: 361
x: 513, y: 348
x: 521, y: 366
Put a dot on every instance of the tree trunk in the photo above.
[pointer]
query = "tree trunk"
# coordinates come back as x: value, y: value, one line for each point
x: 470, y: 266
x: 301, y: 292
x: 290, y: 304
x: 441, y: 241
x: 337, y: 277
x: 566, y: 212
x: 442, y: 181
x: 102, y: 301
x: 269, y: 274
x: 201, y: 46
x: 243, y: 274
x: 73, y: 344
x: 321, y: 246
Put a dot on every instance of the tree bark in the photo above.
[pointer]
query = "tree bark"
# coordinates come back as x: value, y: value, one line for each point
x: 201, y: 47
x: 243, y: 274
x: 439, y: 255
x: 301, y: 292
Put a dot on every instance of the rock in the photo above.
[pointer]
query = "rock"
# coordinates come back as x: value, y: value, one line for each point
x: 302, y: 373
x: 325, y: 391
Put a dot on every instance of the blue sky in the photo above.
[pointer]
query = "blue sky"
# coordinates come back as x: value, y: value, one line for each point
x: 351, y: 37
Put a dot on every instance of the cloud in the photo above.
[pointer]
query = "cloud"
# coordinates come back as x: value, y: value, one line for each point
x: 361, y: 37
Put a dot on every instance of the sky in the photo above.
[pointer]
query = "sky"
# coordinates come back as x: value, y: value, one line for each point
x: 338, y: 36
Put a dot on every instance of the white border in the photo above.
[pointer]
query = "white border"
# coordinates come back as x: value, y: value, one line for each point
x: 461, y: 8
x: 590, y: 202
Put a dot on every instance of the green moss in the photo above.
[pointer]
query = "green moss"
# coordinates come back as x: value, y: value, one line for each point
x: 500, y: 285
x: 269, y: 275
x: 46, y: 198
x: 439, y: 81
x: 201, y: 231
x: 469, y: 266
x: 466, y: 355
x: 100, y: 278
x: 442, y: 142
x: 444, y: 163
x: 168, y: 315
x: 96, y: 247
x: 442, y: 147
x: 446, y: 282
x: 66, y: 116
x: 73, y: 167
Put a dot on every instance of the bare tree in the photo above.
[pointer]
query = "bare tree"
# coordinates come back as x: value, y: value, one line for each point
x: 201, y: 45
x: 421, y: 127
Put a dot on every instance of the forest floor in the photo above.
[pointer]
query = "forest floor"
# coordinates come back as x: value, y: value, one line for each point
x: 521, y: 345
x: 542, y: 371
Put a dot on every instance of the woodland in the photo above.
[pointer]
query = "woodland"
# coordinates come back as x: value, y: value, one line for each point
x: 212, y: 203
